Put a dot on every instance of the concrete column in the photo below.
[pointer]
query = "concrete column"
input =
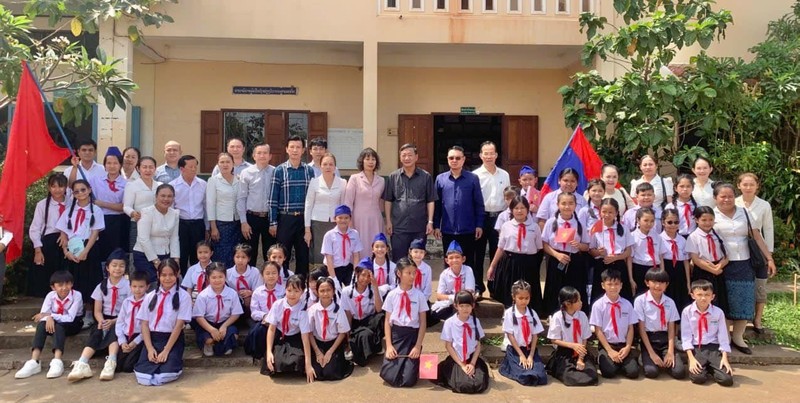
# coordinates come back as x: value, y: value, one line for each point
x: 370, y: 88
x: 113, y: 127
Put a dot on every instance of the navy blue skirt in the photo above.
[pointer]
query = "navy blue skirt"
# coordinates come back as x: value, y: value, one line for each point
x: 155, y: 374
x: 402, y: 371
x: 366, y: 337
x: 230, y: 235
x: 220, y: 347
x: 511, y: 369
x: 338, y: 368
x: 451, y: 376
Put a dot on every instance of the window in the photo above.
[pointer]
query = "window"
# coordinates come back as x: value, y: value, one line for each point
x: 514, y: 6
x: 441, y: 5
x: 416, y: 5
x: 587, y: 6
x: 538, y: 7
x: 392, y: 5
x: 466, y: 5
x: 246, y: 125
x: 489, y: 6
x: 562, y: 6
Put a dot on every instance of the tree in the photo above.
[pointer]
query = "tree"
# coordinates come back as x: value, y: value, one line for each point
x: 65, y: 67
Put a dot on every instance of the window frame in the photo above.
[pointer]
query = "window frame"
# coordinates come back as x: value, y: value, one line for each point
x: 492, y: 11
x: 567, y: 4
x: 441, y: 10
x: 469, y: 10
x: 539, y: 12
x: 396, y: 7
x: 514, y: 12
x: 421, y: 8
x: 591, y: 6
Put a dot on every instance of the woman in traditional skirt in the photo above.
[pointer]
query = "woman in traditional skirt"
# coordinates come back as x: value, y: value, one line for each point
x: 518, y: 256
x: 571, y: 363
x: 48, y: 255
x: 139, y: 194
x: 221, y: 193
x: 288, y: 345
x: 406, y: 308
x: 108, y: 193
x: 364, y: 308
x: 463, y: 371
x: 330, y: 327
x: 521, y: 326
x: 733, y: 224
x: 165, y: 312
x: 610, y: 246
x: 709, y: 256
x: 676, y: 263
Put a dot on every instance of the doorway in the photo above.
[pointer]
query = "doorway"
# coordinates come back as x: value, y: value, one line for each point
x: 467, y: 131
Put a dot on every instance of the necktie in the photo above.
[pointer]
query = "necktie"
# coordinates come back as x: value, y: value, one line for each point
x: 612, y: 241
x: 576, y: 331
x: 458, y: 284
x: 240, y: 282
x: 687, y: 215
x: 566, y: 225
x: 466, y: 334
x: 405, y: 303
x: 345, y: 241
x: 325, y: 322
x: 114, y: 295
x: 615, y: 306
x: 674, y: 252
x: 651, y: 250
x: 418, y: 280
x: 61, y: 208
x: 135, y: 305
x: 79, y: 219
x: 287, y: 313
x: 702, y: 323
x: 219, y: 307
x: 526, y: 329
x: 712, y: 247
x: 270, y: 299
x: 201, y: 282
x: 61, y: 305
x: 112, y: 185
x: 160, y: 311
x: 359, y: 298
x: 662, y: 313
x: 522, y: 232
x: 381, y: 276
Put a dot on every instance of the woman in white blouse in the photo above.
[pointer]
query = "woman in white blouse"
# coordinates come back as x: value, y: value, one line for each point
x: 140, y: 193
x: 157, y: 236
x: 221, y: 194
x: 130, y: 163
x: 761, y: 219
x: 610, y: 176
x: 703, y: 192
x: 662, y: 187
x: 325, y: 193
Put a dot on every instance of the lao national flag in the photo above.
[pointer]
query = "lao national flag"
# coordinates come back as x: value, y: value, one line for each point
x: 578, y: 155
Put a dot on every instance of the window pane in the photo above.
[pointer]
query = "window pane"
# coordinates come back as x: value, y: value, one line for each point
x: 513, y: 5
x: 586, y: 6
x: 298, y: 124
x: 465, y: 4
x: 391, y: 3
x: 248, y: 126
x: 440, y: 4
x: 562, y: 6
x: 416, y: 4
x: 489, y: 5
x: 538, y: 5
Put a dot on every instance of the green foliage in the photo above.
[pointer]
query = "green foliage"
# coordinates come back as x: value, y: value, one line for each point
x: 783, y: 318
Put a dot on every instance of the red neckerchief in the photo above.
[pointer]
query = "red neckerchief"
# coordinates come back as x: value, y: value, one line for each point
x: 114, y: 296
x: 712, y: 246
x: 418, y: 280
x: 358, y: 299
x: 566, y: 225
x: 241, y: 280
x: 458, y: 283
x: 345, y: 241
x: 522, y: 232
x: 651, y: 250
x: 662, y: 311
x: 687, y: 215
x: 112, y: 185
x: 61, y: 208
x: 325, y: 323
x: 701, y: 323
x: 381, y: 278
x: 160, y: 311
x: 466, y: 334
x: 674, y: 249
x: 287, y: 313
x: 615, y: 305
x: 80, y: 217
x: 135, y: 305
x: 405, y: 303
x: 270, y: 298
x: 612, y: 241
x: 526, y: 328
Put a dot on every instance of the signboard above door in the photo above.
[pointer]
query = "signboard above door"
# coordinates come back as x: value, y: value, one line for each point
x: 469, y: 110
x: 239, y: 90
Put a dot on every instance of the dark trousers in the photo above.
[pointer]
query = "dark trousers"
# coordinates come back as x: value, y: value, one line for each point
x: 290, y: 233
x: 467, y: 242
x: 709, y: 357
x: 659, y: 341
x: 190, y: 233
x: 401, y: 241
x: 260, y: 235
x: 609, y: 369
x: 490, y: 237
x: 62, y: 330
x: 115, y: 235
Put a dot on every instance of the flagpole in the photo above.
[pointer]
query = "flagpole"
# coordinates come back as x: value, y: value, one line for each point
x: 55, y: 118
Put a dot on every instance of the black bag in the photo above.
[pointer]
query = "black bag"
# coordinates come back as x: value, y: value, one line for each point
x: 757, y: 260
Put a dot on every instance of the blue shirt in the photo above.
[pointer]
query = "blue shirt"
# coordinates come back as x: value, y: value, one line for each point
x: 459, y: 209
x: 289, y: 187
x: 167, y: 174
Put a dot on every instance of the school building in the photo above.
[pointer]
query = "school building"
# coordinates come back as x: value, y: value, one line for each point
x: 369, y: 73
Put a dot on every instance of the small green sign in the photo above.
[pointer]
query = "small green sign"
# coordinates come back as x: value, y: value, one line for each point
x: 468, y: 110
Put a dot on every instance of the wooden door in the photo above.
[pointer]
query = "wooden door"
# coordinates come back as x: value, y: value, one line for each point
x: 276, y: 137
x: 210, y: 139
x: 520, y: 143
x: 318, y: 125
x: 418, y: 129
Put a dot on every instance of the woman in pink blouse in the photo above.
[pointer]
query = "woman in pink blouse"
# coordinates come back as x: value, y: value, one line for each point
x: 363, y: 196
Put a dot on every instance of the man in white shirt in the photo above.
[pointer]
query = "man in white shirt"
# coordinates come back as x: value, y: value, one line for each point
x: 169, y: 171
x: 190, y: 200
x: 493, y: 181
x: 87, y: 151
x: 255, y: 189
x: 235, y: 148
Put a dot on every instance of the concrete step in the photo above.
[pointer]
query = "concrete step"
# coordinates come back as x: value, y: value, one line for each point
x: 22, y: 309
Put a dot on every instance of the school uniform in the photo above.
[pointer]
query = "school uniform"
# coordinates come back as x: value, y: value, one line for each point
x: 521, y: 244
x: 87, y: 273
x: 216, y: 309
x: 450, y: 284
x: 112, y: 299
x: 290, y: 322
x: 589, y: 214
x: 423, y: 281
x: 261, y: 303
x: 195, y: 280
x: 504, y: 217
x: 662, y: 188
x: 686, y: 222
x: 464, y: 337
x: 67, y: 314
x: 327, y: 323
x: 128, y: 330
x: 629, y: 218
x: 615, y: 244
x: 524, y: 326
x: 284, y: 273
x: 340, y: 247
x: 249, y: 280
x: 675, y: 258
x: 161, y: 322
x: 708, y: 246
x: 117, y: 231
x: 614, y: 319
x: 549, y: 205
x: 656, y: 317
x: 707, y: 334
x: 562, y: 364
x: 573, y: 274
x: 403, y: 309
x: 646, y: 254
x: 44, y: 234
x: 366, y: 334
x: 385, y: 273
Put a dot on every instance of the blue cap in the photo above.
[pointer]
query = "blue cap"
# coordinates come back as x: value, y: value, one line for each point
x: 526, y: 170
x: 341, y: 210
x: 113, y: 150
x: 366, y: 263
x: 381, y: 237
x: 117, y: 254
x: 454, y: 248
x: 418, y: 243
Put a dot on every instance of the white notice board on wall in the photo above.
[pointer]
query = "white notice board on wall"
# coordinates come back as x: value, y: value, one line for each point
x: 346, y: 145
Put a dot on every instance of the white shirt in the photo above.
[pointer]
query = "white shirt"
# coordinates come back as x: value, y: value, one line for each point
x: 332, y: 245
x: 717, y: 332
x: 138, y: 196
x: 255, y: 188
x: 647, y: 311
x: 698, y: 243
x: 123, y: 290
x: 298, y: 318
x: 453, y: 332
x: 221, y: 198
x: 623, y: 199
x: 321, y: 200
x: 82, y: 230
x: 666, y: 247
x: 72, y: 306
x: 549, y: 235
x: 603, y: 239
x: 733, y: 231
x: 134, y: 175
x: 509, y: 328
x: 101, y: 190
x: 640, y: 254
x: 207, y: 306
x: 549, y: 205
x: 509, y: 236
x: 190, y: 199
x: 237, y: 169
x: 337, y: 321
x: 602, y: 309
x: 503, y: 218
x: 447, y: 281
x: 5, y: 237
x: 704, y: 195
x: 170, y: 316
x: 38, y: 227
x: 401, y: 317
x: 629, y: 219
x: 261, y: 301
x: 761, y: 219
x: 157, y: 234
x: 589, y: 214
x: 388, y: 269
x: 191, y: 281
x: 658, y: 190
x: 426, y: 272
x: 351, y: 299
x: 127, y: 314
x: 558, y: 329
x: 250, y: 280
x: 96, y: 171
x: 492, y: 186
x: 686, y: 222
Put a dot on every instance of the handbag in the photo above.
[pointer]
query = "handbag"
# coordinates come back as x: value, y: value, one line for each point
x: 757, y: 259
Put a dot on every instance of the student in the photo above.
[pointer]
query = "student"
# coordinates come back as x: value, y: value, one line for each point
x: 708, y: 255
x: 215, y: 313
x: 571, y: 363
x: 527, y: 187
x: 108, y: 297
x: 590, y: 213
x: 613, y: 320
x: 48, y: 253
x: 611, y: 246
x: 310, y: 296
x: 364, y: 308
x: 509, y: 193
x: 244, y: 279
x: 424, y: 273
x: 517, y: 257
x: 455, y: 278
x: 107, y: 193
x: 341, y: 247
x: 675, y: 259
x: 646, y: 252
x: 705, y: 336
x: 128, y: 329
x: 463, y: 371
x: 196, y: 278
x: 61, y: 316
x: 330, y: 327
x: 406, y: 307
x: 382, y: 265
x: 567, y: 182
x: 657, y: 315
x: 277, y: 253
x: 521, y: 328
x: 644, y: 198
x: 163, y: 316
x: 684, y: 204
x: 262, y: 301
x: 288, y: 345
x: 565, y: 263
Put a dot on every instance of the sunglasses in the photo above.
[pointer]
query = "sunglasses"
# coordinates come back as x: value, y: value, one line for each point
x: 80, y: 190
x: 671, y: 222
x: 454, y: 158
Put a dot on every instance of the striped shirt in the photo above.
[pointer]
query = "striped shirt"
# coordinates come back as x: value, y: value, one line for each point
x: 289, y: 186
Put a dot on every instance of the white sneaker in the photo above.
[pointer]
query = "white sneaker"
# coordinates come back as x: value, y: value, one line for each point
x: 80, y: 370
x: 348, y: 355
x: 208, y: 350
x: 30, y: 368
x: 229, y: 351
x: 107, y: 373
x: 56, y: 368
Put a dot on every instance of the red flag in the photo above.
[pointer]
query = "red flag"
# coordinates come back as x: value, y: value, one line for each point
x: 598, y: 226
x: 31, y: 154
x: 578, y: 155
x: 428, y: 366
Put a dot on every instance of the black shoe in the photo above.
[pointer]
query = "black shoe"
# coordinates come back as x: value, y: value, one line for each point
x: 758, y: 330
x: 743, y: 350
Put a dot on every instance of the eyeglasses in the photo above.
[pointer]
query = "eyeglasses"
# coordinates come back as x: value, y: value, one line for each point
x: 80, y: 190
x: 671, y: 222
x: 454, y: 158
